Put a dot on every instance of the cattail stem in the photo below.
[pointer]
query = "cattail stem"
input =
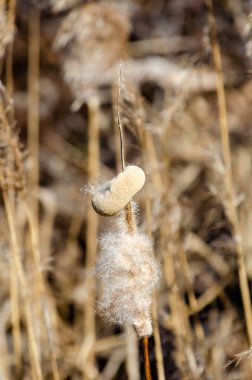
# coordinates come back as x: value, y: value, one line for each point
x: 132, y: 228
x: 147, y: 369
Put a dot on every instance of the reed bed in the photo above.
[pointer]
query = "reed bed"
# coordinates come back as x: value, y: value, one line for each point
x: 147, y: 103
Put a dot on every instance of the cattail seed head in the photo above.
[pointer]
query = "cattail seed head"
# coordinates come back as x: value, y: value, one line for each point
x: 111, y: 197
x: 92, y: 39
x: 128, y: 273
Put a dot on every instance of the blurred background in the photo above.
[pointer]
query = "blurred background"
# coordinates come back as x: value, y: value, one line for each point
x: 59, y: 67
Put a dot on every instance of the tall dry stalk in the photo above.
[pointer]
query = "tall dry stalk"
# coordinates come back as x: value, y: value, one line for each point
x: 15, y: 309
x: 93, y: 154
x: 229, y: 185
x: 30, y: 209
x: 178, y: 321
x: 9, y: 191
x: 33, y: 148
x: 132, y: 363
x: 33, y: 105
x: 33, y: 348
x: 12, y: 192
x: 14, y: 293
x: 15, y: 318
x: 149, y: 151
x: 41, y: 291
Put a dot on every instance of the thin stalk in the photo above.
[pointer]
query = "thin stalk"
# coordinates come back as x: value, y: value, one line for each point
x: 193, y: 301
x: 91, y: 235
x: 156, y: 332
x: 33, y: 349
x: 146, y: 358
x: 119, y: 120
x: 179, y: 320
x: 15, y: 319
x: 41, y: 289
x: 14, y: 291
x: 132, y: 364
x: 231, y: 204
x: 157, y: 339
x: 149, y: 154
x: 33, y: 145
x: 33, y: 103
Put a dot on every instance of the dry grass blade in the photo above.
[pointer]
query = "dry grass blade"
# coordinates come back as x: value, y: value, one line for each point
x: 231, y: 203
x: 15, y: 317
x: 46, y: 328
x: 158, y: 347
x: 238, y: 357
x: 91, y: 233
x: 33, y: 105
x: 189, y: 226
x: 6, y: 170
x: 33, y: 349
x: 12, y: 183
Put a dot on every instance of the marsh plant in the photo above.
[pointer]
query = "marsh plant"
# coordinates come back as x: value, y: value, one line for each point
x: 126, y: 268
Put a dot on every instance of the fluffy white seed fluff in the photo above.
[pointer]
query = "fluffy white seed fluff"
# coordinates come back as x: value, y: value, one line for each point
x: 128, y: 273
x: 111, y: 197
x: 91, y: 40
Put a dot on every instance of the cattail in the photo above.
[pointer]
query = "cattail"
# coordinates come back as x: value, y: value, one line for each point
x: 111, y: 197
x: 128, y: 273
x: 92, y: 40
x: 126, y: 268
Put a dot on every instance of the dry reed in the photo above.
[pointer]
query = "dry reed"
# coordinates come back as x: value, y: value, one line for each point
x: 229, y: 185
x: 194, y: 206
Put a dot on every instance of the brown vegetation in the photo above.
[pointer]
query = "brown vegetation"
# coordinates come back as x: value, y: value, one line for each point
x: 185, y: 106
